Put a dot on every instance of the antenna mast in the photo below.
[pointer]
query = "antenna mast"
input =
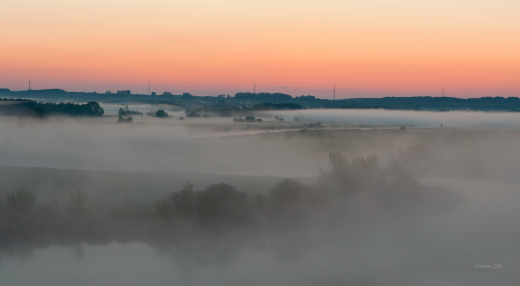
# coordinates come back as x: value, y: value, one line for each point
x: 29, y: 85
x: 148, y: 87
x: 334, y: 94
x: 443, y: 92
x: 254, y: 88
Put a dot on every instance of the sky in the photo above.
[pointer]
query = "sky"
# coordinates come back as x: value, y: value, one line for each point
x: 369, y: 48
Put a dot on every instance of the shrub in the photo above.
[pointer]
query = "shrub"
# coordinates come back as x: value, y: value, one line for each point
x: 177, y: 203
x: 192, y: 114
x: 161, y: 113
x: 20, y: 199
x: 77, y: 201
x: 287, y: 190
x: 411, y: 162
x: 220, y: 201
x: 183, y: 202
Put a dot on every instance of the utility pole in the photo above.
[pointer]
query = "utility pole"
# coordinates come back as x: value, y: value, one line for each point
x: 334, y: 94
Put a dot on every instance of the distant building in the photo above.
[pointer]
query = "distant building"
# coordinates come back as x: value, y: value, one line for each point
x: 124, y: 92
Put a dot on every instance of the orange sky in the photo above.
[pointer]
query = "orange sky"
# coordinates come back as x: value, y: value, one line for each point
x: 366, y: 48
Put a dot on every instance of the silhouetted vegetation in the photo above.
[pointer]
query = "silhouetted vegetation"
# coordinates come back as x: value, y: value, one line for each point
x: 88, y: 109
x: 127, y: 119
x: 356, y: 189
x: 161, y: 113
x: 77, y: 201
x: 20, y: 200
x: 32, y: 109
x: 193, y: 114
x: 126, y: 112
x: 277, y: 106
x: 262, y: 101
x: 32, y: 113
x: 264, y: 96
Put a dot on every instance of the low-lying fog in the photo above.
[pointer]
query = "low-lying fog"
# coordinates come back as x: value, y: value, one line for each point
x: 213, y: 145
x: 454, y: 224
x: 379, y: 117
x: 443, y: 250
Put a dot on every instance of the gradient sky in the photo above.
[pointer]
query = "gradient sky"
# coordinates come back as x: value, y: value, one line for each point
x: 367, y: 48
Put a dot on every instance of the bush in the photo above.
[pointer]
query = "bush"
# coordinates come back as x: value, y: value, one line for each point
x: 161, y: 113
x: 122, y: 119
x: 177, y: 203
x: 20, y: 199
x: 411, y: 162
x: 220, y: 201
x: 192, y: 114
x: 77, y: 201
x: 287, y: 190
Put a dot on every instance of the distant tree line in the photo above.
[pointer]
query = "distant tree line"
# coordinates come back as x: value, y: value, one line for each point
x: 269, y: 101
x: 32, y: 109
x: 277, y: 106
x: 264, y: 96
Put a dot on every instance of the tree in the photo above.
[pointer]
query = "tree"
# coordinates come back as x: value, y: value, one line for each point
x: 77, y: 201
x: 95, y: 109
x: 193, y: 114
x: 220, y: 201
x: 287, y: 190
x: 20, y: 199
x: 128, y: 119
x: 182, y: 204
x: 161, y: 113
